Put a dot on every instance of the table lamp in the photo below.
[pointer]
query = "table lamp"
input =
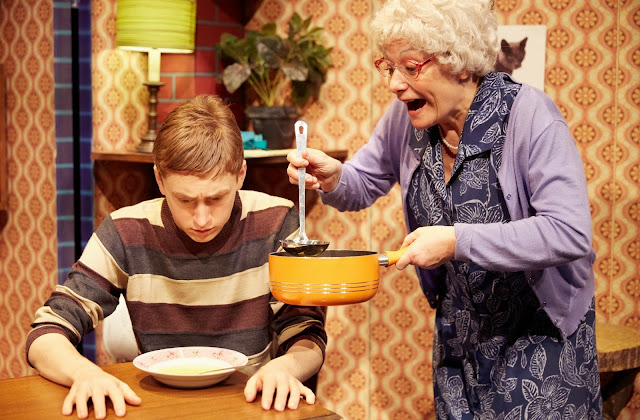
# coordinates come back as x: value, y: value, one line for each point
x: 154, y: 27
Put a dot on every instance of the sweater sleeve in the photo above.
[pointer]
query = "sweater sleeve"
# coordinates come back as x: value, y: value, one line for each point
x: 75, y: 307
x: 292, y: 323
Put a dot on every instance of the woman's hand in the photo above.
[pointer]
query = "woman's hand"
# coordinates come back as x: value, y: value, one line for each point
x: 279, y: 388
x: 98, y: 385
x: 323, y: 171
x: 428, y: 247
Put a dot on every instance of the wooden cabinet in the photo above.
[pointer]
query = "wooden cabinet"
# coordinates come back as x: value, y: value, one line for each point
x: 266, y: 170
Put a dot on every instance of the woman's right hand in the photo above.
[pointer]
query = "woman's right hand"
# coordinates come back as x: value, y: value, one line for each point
x: 323, y: 171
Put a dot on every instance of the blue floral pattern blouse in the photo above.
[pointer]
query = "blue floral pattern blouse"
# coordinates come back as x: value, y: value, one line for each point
x: 497, y: 355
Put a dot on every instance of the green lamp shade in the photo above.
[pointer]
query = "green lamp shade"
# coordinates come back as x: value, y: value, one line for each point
x: 164, y: 25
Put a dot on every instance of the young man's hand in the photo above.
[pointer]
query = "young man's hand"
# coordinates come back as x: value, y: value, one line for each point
x: 279, y: 388
x: 280, y: 379
x: 98, y: 385
x: 57, y: 359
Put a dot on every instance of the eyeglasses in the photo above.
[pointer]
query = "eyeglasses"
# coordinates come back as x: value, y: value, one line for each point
x: 409, y: 68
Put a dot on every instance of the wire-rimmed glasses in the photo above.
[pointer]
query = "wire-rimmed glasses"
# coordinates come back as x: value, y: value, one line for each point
x: 409, y: 68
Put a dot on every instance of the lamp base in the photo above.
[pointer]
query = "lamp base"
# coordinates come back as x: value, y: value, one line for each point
x: 146, y: 143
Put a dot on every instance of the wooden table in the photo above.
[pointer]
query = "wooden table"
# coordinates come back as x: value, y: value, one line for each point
x: 33, y: 397
x: 619, y: 363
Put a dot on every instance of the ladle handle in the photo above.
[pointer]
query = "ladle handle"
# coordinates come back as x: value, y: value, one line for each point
x: 301, y: 144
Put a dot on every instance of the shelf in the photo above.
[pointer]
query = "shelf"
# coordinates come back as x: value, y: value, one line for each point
x: 266, y: 171
x: 253, y: 157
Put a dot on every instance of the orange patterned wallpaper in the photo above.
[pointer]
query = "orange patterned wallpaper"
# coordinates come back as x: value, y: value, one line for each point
x: 379, y: 357
x: 28, y: 256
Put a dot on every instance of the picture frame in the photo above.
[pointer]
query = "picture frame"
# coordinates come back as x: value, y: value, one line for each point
x: 522, y: 53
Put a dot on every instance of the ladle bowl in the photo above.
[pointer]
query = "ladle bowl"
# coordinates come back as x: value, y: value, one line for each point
x: 310, y: 248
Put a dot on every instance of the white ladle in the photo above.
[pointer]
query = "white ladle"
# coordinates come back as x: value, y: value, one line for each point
x: 301, y: 245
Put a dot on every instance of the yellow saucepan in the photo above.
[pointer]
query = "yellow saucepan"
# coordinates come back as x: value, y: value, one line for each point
x: 336, y: 277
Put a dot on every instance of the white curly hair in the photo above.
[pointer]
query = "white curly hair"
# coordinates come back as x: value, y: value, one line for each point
x: 460, y: 33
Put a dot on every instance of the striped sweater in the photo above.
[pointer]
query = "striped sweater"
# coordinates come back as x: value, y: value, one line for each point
x: 183, y: 293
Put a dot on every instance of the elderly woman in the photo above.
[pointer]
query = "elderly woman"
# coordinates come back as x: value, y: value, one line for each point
x: 495, y: 198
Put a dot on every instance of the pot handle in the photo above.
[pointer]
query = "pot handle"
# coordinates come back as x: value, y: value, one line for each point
x: 388, y: 258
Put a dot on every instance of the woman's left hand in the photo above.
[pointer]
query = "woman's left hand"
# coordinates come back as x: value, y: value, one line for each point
x: 428, y: 247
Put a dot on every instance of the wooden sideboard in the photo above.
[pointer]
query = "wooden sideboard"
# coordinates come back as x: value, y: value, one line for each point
x: 266, y: 170
x: 255, y: 158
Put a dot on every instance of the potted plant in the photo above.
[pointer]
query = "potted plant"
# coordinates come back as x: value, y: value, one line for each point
x: 268, y: 63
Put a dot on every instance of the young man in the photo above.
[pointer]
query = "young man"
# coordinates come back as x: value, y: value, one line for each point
x: 193, y: 267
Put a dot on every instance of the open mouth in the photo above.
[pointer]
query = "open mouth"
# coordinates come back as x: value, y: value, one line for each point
x: 416, y: 104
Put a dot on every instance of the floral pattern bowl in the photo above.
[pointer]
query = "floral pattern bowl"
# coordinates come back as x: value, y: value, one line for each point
x: 186, y: 367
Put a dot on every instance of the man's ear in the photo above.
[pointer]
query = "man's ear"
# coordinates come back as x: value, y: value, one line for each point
x: 242, y: 175
x: 158, y: 180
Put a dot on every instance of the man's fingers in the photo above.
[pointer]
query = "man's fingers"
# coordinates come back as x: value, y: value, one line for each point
x: 308, y: 395
x: 77, y: 398
x: 268, y: 390
x: 294, y: 397
x: 129, y: 395
x: 99, y: 406
x: 282, y: 394
x: 116, y: 394
x: 251, y: 389
x: 67, y: 405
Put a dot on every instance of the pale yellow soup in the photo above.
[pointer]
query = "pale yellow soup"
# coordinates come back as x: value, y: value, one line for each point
x: 189, y: 366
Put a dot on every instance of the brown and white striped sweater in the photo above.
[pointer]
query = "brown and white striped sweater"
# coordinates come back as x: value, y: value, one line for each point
x: 183, y: 293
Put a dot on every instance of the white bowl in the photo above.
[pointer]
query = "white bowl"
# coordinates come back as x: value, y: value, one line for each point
x: 179, y: 366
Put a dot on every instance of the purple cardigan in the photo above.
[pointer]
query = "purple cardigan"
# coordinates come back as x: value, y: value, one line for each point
x: 543, y: 182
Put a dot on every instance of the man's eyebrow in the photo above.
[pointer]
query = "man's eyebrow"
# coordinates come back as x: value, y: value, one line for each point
x: 182, y: 195
x: 212, y: 195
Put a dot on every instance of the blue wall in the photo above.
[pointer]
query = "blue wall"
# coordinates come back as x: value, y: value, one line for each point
x: 73, y: 229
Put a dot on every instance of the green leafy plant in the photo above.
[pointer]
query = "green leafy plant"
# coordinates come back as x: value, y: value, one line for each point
x: 267, y: 61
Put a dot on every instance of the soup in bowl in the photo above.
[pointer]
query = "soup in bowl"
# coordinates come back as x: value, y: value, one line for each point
x: 190, y: 367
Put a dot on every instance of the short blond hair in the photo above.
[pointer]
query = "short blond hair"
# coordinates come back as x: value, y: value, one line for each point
x: 199, y: 137
x: 462, y: 34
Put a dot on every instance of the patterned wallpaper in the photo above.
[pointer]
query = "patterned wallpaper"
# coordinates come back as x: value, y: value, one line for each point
x: 28, y: 244
x: 378, y: 362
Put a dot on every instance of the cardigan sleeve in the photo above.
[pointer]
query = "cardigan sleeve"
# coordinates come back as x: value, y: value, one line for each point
x: 373, y: 169
x: 544, y: 186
